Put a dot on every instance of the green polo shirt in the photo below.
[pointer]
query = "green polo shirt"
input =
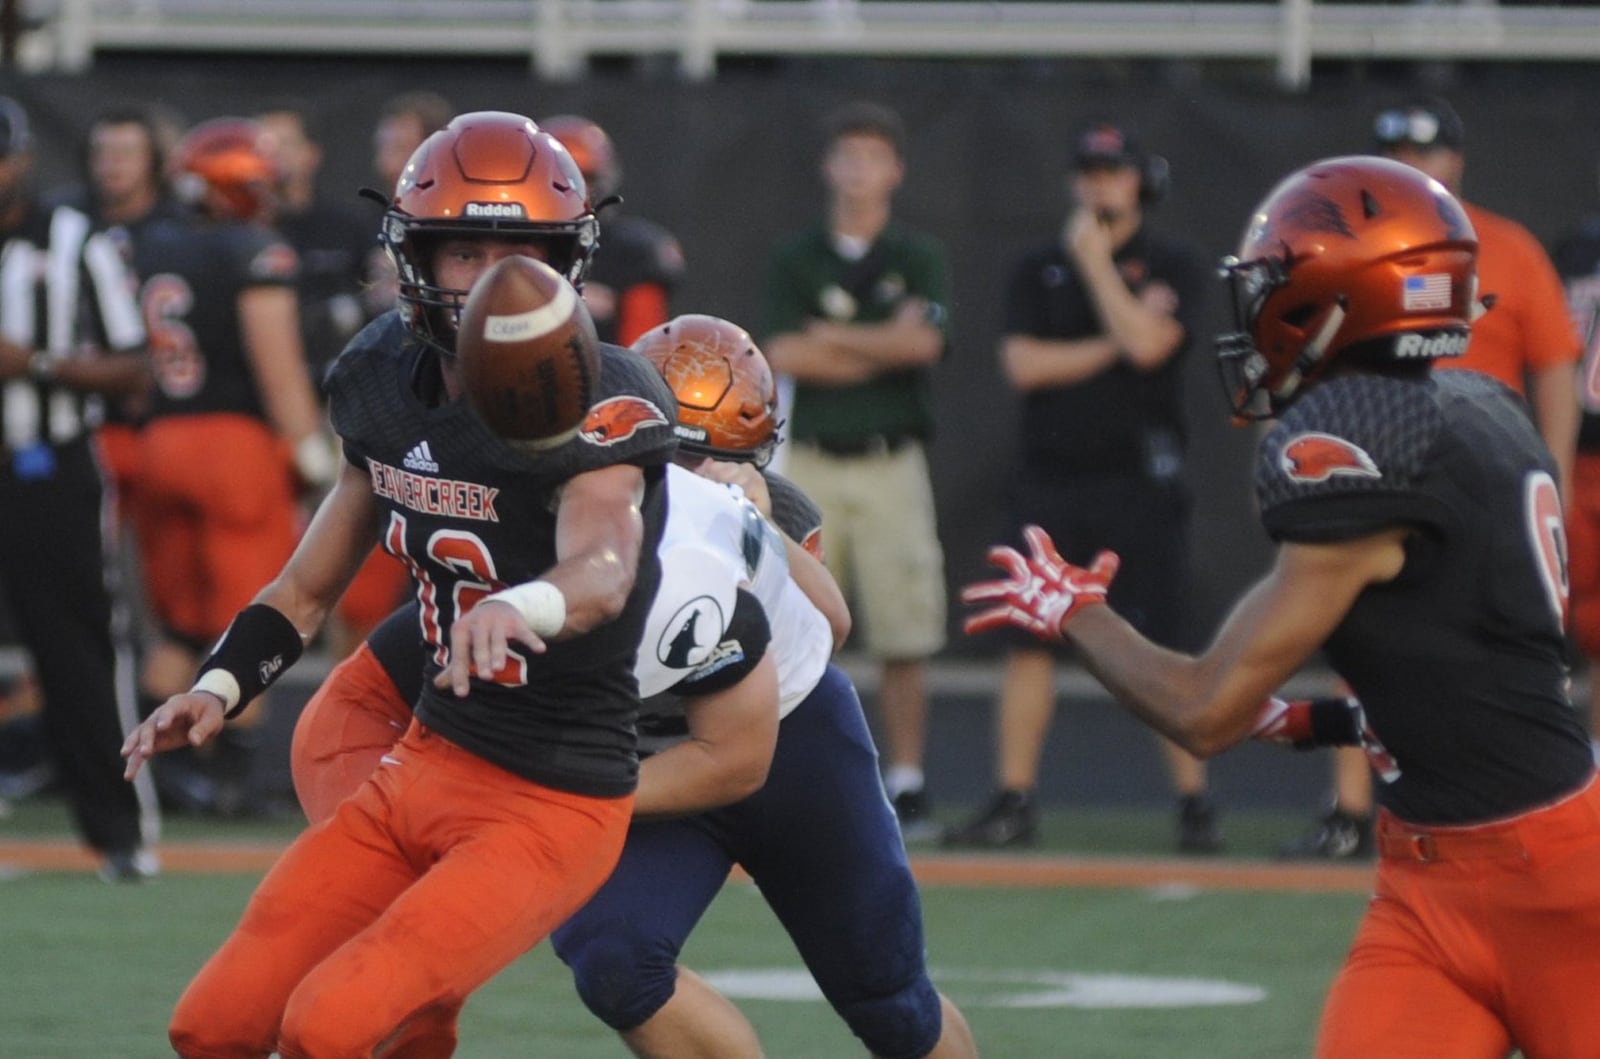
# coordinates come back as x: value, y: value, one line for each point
x: 808, y: 279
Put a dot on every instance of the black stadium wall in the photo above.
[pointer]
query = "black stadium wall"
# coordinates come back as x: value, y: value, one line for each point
x: 731, y: 166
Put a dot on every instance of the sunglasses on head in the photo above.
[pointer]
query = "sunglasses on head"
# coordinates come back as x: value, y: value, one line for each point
x: 1407, y: 126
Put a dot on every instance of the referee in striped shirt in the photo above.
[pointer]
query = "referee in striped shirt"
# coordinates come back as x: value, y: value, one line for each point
x: 70, y: 332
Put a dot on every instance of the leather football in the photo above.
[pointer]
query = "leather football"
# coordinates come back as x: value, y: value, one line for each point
x: 527, y: 353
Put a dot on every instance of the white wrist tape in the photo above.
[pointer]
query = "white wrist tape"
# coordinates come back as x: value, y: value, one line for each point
x: 541, y: 605
x: 223, y: 685
x: 316, y: 460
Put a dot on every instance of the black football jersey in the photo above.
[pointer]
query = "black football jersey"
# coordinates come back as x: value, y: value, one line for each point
x: 633, y: 251
x: 469, y: 515
x: 191, y: 274
x: 1459, y: 661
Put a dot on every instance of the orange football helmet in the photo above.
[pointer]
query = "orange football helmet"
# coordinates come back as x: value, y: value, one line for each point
x: 1354, y: 257
x: 727, y: 401
x: 591, y: 148
x: 486, y: 173
x: 226, y: 166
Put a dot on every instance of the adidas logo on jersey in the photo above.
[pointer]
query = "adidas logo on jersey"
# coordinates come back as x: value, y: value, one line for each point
x: 1430, y: 347
x: 420, y: 459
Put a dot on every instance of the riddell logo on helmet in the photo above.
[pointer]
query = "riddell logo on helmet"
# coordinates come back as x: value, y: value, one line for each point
x: 1430, y: 346
x: 494, y: 209
x: 689, y: 433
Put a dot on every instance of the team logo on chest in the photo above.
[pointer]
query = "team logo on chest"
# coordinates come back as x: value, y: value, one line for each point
x: 1316, y: 457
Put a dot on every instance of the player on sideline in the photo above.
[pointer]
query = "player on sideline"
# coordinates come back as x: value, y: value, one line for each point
x: 505, y: 804
x: 819, y: 838
x: 1419, y: 531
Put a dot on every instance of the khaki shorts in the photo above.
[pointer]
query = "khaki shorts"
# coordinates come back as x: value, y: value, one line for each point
x: 881, y: 542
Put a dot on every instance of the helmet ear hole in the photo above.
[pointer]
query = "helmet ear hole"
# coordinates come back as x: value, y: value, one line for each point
x: 1299, y: 316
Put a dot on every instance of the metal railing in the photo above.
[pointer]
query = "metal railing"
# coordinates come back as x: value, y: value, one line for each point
x: 558, y: 37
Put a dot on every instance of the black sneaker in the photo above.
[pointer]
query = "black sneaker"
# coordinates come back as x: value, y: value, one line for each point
x: 915, y: 814
x: 1337, y: 836
x: 1010, y: 819
x: 130, y: 866
x: 1197, y: 825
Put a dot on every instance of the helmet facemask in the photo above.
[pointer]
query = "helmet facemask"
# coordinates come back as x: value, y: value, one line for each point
x: 488, y: 174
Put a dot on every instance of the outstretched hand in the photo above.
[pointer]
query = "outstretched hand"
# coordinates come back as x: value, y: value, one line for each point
x: 1041, y: 591
x: 190, y: 719
x: 480, y: 642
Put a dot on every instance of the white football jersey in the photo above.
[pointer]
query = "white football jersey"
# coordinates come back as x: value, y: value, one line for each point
x: 716, y: 542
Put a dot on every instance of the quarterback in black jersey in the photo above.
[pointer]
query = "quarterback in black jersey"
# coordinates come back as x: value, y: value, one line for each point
x: 505, y: 804
x: 1421, y: 544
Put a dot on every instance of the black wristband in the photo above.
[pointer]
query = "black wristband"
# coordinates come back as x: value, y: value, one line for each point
x: 259, y: 645
x: 1335, y: 721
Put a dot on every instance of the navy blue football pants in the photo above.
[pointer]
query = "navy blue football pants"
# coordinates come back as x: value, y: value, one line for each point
x: 821, y: 843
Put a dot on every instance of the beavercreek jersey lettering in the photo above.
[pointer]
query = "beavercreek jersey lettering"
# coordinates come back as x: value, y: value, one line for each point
x: 1472, y: 627
x: 564, y: 718
x: 45, y: 268
x: 695, y: 628
x: 191, y: 275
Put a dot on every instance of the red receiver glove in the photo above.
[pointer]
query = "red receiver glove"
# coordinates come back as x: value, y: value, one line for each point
x: 1041, y: 592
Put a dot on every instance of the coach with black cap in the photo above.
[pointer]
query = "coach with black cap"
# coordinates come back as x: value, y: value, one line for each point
x: 1097, y: 321
x: 1526, y: 340
x: 70, y: 330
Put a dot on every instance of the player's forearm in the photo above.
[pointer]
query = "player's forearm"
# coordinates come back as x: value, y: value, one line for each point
x: 599, y: 536
x: 691, y: 778
x: 1171, y: 692
x: 820, y: 588
x: 331, y: 550
x: 270, y: 330
x: 733, y: 733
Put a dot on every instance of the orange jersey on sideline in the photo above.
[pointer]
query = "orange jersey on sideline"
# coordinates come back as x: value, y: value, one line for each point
x: 1528, y: 327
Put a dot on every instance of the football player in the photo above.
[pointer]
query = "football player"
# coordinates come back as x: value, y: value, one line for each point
x: 818, y: 837
x: 232, y: 430
x: 505, y: 804
x: 1420, y: 545
x: 629, y: 290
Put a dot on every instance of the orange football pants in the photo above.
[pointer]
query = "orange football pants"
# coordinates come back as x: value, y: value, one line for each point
x: 354, y: 718
x: 215, y: 517
x: 380, y: 585
x: 1478, y: 940
x: 439, y: 872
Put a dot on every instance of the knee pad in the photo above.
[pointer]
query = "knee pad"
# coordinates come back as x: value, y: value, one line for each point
x: 902, y: 1025
x: 622, y: 977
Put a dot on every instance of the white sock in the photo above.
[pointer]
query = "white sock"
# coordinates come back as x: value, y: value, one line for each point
x: 901, y: 778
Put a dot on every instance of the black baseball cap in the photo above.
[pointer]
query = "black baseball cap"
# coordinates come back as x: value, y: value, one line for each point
x: 14, y: 134
x: 1105, y: 144
x: 1423, y: 122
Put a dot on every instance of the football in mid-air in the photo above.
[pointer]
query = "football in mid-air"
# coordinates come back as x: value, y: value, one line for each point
x: 527, y: 352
